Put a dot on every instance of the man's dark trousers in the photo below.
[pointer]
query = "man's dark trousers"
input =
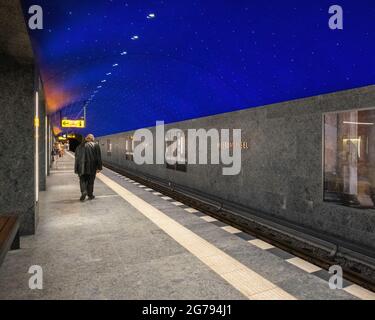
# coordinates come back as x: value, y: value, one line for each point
x: 87, y: 184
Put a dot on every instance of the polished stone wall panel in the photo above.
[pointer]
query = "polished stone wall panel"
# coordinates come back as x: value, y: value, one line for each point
x: 17, y: 195
x: 42, y: 145
x: 282, y: 170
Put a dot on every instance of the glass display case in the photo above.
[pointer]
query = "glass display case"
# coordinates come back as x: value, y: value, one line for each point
x: 349, y: 158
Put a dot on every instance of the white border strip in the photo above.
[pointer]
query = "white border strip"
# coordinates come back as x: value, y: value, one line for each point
x: 71, y: 155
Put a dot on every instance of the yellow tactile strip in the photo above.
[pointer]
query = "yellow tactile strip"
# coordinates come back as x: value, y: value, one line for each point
x: 248, y: 282
x: 231, y: 230
x: 191, y: 210
x: 304, y: 265
x: 208, y: 219
x: 178, y: 204
x: 360, y: 292
x: 261, y: 244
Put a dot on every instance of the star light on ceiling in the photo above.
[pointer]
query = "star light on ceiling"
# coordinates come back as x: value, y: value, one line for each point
x: 242, y: 59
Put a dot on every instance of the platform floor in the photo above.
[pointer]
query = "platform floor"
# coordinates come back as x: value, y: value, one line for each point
x: 133, y: 243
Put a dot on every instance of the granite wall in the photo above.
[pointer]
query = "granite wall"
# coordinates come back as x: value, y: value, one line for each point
x: 49, y: 146
x: 282, y: 172
x: 17, y: 181
x: 42, y: 139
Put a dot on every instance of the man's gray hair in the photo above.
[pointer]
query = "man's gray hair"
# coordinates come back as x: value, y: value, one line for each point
x: 90, y: 137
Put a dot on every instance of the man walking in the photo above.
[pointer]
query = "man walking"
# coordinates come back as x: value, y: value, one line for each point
x: 88, y: 163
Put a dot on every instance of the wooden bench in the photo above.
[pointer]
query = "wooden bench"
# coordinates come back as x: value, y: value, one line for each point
x: 9, y: 235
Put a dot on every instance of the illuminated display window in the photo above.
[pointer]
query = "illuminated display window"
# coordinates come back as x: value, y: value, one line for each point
x: 349, y: 158
x: 176, y: 157
x: 109, y: 148
x: 129, y: 149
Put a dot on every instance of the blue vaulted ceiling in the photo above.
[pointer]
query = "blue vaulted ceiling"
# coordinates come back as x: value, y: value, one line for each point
x: 138, y: 61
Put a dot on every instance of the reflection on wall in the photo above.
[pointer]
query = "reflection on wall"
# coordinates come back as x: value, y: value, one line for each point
x: 349, y: 170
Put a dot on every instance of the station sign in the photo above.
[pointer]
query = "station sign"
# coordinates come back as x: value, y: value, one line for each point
x: 66, y: 123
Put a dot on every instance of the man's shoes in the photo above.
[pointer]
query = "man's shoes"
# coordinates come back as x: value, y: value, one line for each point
x: 83, y: 198
x: 91, y: 197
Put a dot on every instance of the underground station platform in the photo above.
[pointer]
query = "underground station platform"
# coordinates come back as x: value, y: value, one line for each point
x: 187, y: 158
x: 133, y: 242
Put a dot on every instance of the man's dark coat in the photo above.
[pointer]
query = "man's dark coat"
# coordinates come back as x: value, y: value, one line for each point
x: 88, y: 159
